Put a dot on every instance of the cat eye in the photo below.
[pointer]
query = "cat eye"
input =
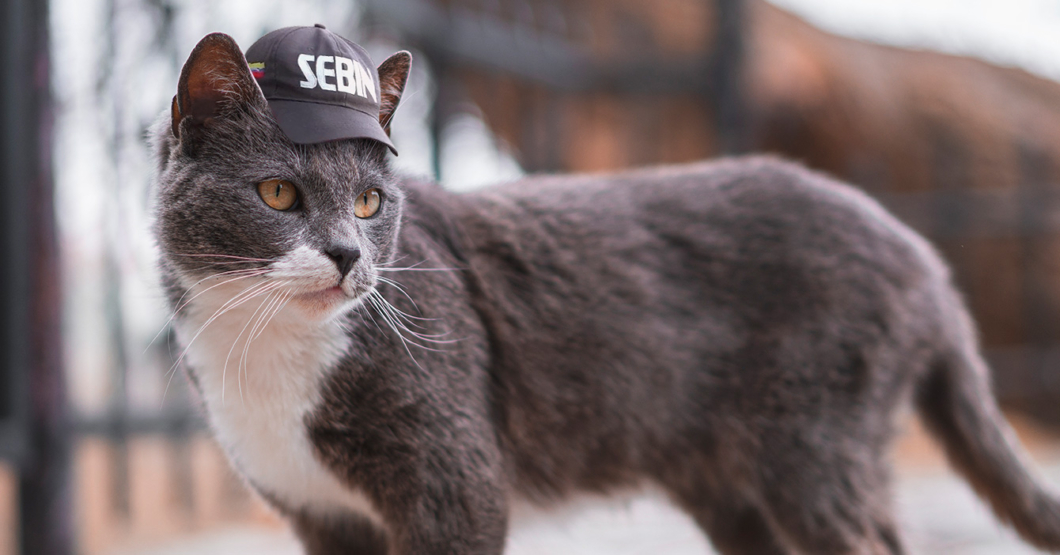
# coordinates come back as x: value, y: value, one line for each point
x: 278, y: 194
x: 367, y: 203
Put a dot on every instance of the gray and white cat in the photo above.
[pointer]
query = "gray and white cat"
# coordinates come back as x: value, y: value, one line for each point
x: 390, y: 365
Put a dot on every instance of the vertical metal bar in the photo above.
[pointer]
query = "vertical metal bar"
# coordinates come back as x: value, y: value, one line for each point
x: 732, y: 123
x: 45, y: 485
x: 31, y: 284
x: 14, y: 352
x: 438, y: 116
x: 529, y: 133
x: 108, y: 76
x: 1039, y: 312
x: 118, y: 411
x: 553, y: 104
x: 446, y: 92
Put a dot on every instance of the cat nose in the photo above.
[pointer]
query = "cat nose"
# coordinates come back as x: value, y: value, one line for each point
x: 344, y: 258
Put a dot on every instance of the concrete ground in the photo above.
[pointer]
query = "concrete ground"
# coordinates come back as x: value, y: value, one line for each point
x: 938, y: 512
x: 940, y: 516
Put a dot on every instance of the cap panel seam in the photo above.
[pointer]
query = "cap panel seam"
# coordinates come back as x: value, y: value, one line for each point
x: 271, y: 57
x: 279, y: 39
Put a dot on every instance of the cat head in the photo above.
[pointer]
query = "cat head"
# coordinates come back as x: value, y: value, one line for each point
x: 243, y: 209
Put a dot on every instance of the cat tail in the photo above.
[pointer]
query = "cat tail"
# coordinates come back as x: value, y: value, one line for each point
x: 957, y: 406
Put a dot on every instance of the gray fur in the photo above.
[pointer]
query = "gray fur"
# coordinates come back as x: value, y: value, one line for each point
x: 741, y: 333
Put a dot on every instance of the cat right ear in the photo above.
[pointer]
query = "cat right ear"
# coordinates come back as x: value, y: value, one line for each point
x: 215, y: 81
x: 393, y: 73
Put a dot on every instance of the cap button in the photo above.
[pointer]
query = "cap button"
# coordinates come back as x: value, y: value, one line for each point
x: 319, y: 26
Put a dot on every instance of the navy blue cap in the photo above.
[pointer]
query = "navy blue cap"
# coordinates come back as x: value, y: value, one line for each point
x: 320, y: 86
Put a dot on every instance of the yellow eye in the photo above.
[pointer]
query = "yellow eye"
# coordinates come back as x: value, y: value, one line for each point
x: 367, y: 203
x: 278, y: 194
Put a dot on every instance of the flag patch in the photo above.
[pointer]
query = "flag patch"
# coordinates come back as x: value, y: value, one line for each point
x: 257, y: 69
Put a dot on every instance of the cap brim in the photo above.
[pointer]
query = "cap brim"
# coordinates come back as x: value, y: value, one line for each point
x: 311, y: 122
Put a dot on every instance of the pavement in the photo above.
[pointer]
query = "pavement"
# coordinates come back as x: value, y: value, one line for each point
x: 939, y: 515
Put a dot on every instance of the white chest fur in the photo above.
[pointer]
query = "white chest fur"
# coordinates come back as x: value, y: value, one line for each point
x: 257, y: 398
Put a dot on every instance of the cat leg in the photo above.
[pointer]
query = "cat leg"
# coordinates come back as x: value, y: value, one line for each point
x: 445, y: 499
x: 334, y: 535
x: 434, y: 523
x: 889, y: 536
x: 441, y: 523
x: 827, y: 498
x: 882, y: 509
x: 723, y: 509
x: 736, y: 527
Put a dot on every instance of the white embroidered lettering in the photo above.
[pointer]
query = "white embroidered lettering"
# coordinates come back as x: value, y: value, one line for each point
x: 323, y: 73
x: 365, y: 84
x: 307, y: 71
x: 345, y: 79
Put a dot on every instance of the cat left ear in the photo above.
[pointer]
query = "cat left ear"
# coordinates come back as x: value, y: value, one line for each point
x: 393, y: 74
x: 215, y: 80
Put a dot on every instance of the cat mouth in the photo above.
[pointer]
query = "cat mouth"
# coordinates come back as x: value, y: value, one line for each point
x: 324, y: 297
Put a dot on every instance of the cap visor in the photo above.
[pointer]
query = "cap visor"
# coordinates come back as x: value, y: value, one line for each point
x: 310, y: 122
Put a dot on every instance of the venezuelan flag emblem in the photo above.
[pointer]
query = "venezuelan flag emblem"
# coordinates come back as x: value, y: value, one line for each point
x: 257, y: 69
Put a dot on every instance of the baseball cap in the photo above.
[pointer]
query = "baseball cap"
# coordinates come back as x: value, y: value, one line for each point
x: 320, y: 86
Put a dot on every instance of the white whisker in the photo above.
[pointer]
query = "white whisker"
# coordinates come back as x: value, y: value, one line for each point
x: 411, y: 269
x: 257, y: 330
x: 364, y: 310
x: 240, y: 258
x: 405, y: 318
x: 392, y: 317
x: 283, y: 302
x: 237, y: 300
x: 382, y: 314
x: 248, y: 274
x: 224, y: 369
x: 400, y: 288
x: 395, y: 261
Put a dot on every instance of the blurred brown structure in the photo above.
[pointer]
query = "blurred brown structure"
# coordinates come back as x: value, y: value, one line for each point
x: 966, y: 152
x: 33, y: 426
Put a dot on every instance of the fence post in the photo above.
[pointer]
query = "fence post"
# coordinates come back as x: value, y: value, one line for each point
x: 732, y: 123
x: 30, y: 280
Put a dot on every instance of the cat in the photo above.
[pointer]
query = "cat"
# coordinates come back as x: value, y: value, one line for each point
x: 742, y: 333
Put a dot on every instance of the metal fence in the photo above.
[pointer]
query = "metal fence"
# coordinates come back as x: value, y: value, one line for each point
x: 542, y: 44
x: 32, y: 429
x: 545, y: 49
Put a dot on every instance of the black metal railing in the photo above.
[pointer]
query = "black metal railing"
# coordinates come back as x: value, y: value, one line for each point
x: 32, y: 411
x: 514, y: 39
x: 529, y: 45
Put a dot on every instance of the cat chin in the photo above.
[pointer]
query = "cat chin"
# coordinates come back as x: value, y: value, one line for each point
x: 323, y: 305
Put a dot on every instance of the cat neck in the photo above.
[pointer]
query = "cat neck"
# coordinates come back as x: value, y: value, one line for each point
x: 260, y: 371
x: 255, y: 344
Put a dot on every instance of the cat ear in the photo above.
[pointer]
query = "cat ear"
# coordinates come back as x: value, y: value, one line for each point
x: 215, y: 80
x: 393, y: 73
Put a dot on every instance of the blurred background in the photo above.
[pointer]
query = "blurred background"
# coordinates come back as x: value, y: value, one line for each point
x: 947, y: 111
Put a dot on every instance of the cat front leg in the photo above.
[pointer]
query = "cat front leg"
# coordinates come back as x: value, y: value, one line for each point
x: 339, y: 535
x: 448, y: 518
x: 452, y: 518
x: 432, y: 496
